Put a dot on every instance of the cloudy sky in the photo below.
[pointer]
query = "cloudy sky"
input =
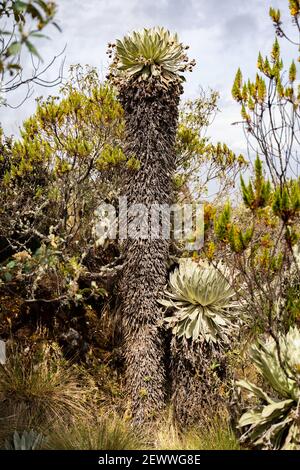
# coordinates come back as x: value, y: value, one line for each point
x: 222, y: 34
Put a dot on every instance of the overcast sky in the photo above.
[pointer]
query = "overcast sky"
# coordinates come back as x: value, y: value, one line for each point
x: 222, y: 34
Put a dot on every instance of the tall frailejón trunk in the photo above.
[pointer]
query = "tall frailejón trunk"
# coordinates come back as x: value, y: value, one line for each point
x: 146, y: 71
x: 151, y: 122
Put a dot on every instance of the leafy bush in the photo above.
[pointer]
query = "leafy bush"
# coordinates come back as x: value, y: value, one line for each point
x: 274, y: 424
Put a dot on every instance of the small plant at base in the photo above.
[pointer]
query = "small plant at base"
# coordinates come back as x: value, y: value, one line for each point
x: 274, y: 424
x: 26, y: 441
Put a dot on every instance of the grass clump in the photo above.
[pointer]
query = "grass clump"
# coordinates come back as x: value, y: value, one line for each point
x: 39, y: 388
x: 214, y: 433
x: 106, y: 433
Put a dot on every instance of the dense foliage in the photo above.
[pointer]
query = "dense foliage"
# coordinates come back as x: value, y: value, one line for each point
x: 138, y: 342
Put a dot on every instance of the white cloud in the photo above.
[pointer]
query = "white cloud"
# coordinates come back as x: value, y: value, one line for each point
x: 222, y: 36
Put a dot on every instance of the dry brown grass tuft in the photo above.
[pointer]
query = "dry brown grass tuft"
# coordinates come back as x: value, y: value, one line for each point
x: 108, y: 432
x: 40, y: 388
x: 213, y: 433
